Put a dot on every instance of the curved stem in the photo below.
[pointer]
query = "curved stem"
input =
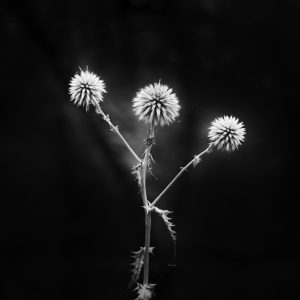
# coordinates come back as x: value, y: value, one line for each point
x: 195, y: 159
x: 116, y: 130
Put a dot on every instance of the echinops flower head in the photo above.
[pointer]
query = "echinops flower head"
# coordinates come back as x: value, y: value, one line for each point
x: 226, y: 133
x: 86, y: 88
x: 156, y: 104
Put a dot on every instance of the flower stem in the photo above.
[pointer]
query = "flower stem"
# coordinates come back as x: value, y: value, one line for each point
x: 195, y: 159
x: 116, y: 130
x: 147, y: 246
x: 144, y: 168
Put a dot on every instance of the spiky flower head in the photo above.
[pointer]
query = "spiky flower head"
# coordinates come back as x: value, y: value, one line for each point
x: 156, y: 104
x: 86, y: 88
x: 226, y: 133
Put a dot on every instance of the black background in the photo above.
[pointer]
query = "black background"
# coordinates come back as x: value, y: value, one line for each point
x: 70, y: 210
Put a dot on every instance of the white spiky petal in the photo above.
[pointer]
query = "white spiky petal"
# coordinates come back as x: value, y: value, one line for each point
x: 86, y: 88
x: 156, y: 103
x: 227, y: 133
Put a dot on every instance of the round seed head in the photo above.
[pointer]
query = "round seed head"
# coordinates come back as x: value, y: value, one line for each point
x: 157, y: 104
x: 86, y: 88
x: 226, y: 133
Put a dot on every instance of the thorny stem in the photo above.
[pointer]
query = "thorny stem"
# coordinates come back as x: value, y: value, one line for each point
x: 116, y: 130
x: 144, y: 168
x: 195, y: 159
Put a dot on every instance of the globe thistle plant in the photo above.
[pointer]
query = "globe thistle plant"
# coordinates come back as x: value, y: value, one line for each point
x: 227, y: 133
x: 156, y: 104
x: 86, y: 88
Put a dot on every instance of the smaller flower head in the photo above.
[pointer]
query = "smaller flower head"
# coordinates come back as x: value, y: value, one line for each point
x: 226, y: 133
x: 86, y: 88
x: 156, y: 103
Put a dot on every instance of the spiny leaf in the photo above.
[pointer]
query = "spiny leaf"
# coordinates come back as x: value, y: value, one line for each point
x: 137, y: 265
x: 149, y: 166
x: 145, y: 291
x: 167, y: 220
x: 151, y: 159
x: 115, y: 129
x: 150, y: 163
x: 196, y: 160
x: 106, y: 118
x: 136, y: 171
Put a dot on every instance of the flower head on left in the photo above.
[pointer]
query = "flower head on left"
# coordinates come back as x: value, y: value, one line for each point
x: 86, y: 88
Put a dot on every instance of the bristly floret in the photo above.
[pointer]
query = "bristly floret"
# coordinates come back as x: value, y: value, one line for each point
x: 156, y: 103
x: 86, y: 88
x: 227, y: 133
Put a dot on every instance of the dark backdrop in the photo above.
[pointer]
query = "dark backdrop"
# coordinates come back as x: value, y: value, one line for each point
x: 70, y: 210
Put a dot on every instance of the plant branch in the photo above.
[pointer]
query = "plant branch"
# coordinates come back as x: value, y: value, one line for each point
x: 194, y: 161
x: 116, y: 130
